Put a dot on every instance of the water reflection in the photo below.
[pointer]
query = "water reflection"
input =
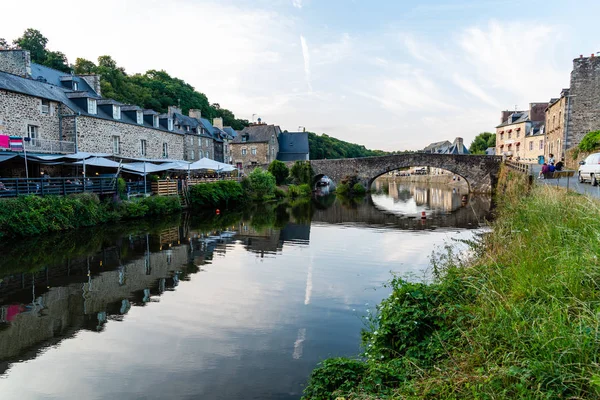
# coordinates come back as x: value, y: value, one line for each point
x: 240, y: 305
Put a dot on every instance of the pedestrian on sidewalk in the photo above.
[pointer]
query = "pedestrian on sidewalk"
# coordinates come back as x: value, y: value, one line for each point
x: 544, y: 172
x: 551, y: 160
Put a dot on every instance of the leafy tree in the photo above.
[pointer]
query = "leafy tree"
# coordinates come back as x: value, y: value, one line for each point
x: 260, y: 184
x: 279, y: 170
x: 4, y: 44
x: 35, y: 42
x: 482, y: 142
x: 302, y: 173
x: 325, y: 146
x: 83, y: 66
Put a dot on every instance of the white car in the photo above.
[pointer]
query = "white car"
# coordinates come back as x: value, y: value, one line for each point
x: 589, y: 170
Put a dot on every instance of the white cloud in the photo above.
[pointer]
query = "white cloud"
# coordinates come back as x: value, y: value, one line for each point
x: 297, y: 3
x: 470, y: 87
x: 306, y: 57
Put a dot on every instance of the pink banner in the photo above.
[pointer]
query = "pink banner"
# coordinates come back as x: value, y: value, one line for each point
x: 4, y: 141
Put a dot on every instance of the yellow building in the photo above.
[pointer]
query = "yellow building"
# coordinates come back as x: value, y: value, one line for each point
x: 519, y: 133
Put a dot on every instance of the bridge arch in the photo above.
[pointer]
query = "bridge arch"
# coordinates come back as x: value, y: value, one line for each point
x: 480, y: 172
x: 370, y: 182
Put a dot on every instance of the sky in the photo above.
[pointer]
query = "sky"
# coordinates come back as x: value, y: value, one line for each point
x: 388, y: 74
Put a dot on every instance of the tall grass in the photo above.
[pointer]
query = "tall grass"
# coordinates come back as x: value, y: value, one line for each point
x: 520, y: 321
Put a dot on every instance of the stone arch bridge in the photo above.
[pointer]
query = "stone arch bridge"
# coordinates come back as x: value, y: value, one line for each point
x: 480, y: 172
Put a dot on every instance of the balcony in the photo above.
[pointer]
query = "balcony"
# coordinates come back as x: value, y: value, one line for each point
x: 49, y: 146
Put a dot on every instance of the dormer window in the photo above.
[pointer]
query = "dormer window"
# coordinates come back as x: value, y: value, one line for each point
x: 244, y: 138
x: 155, y: 120
x: 116, y: 111
x: 92, y: 106
x: 75, y: 86
x: 140, y: 117
x: 170, y: 124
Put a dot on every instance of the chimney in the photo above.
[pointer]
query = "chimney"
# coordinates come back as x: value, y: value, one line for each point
x: 504, y: 116
x: 195, y: 113
x: 93, y: 81
x: 218, y: 123
x: 172, y: 110
x: 16, y: 62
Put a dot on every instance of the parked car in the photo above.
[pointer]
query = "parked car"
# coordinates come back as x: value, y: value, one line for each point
x: 589, y: 169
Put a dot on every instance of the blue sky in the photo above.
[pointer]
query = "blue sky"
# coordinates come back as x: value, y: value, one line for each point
x: 393, y: 75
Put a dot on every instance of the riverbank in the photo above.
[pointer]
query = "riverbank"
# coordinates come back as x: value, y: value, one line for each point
x: 519, y: 319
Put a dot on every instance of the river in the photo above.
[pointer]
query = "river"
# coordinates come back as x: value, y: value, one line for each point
x: 241, y: 305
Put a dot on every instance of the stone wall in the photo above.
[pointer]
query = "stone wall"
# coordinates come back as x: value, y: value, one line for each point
x: 261, y: 156
x: 95, y: 135
x: 15, y: 62
x: 17, y: 111
x: 555, y: 129
x: 584, y: 107
x: 480, y: 171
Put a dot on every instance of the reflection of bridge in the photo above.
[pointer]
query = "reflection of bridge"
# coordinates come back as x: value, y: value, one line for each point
x: 468, y: 216
x: 480, y: 172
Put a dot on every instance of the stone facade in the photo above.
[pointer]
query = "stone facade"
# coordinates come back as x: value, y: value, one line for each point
x: 244, y: 154
x: 16, y: 62
x: 481, y: 172
x: 583, y: 102
x: 18, y: 111
x: 533, y: 146
x: 556, y: 115
x: 97, y: 135
x: 520, y: 132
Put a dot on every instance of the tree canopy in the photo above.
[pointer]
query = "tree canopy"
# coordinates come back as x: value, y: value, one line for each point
x: 324, y: 146
x: 153, y: 89
x: 482, y: 142
x: 35, y: 42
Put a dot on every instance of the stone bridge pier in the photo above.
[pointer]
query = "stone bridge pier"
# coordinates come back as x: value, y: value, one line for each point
x: 480, y: 172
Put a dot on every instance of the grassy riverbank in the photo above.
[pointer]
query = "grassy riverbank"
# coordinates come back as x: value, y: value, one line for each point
x: 520, y: 319
x: 34, y: 215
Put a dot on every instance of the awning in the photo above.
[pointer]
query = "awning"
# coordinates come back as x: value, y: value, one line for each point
x: 98, y: 162
x: 205, y: 163
x: 510, y: 130
x: 501, y: 146
x: 7, y: 156
x: 518, y: 144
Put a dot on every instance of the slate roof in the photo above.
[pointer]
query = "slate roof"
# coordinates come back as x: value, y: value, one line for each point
x: 293, y: 146
x: 53, y: 77
x: 437, y: 147
x: 230, y: 131
x: 258, y: 133
x: 515, y: 118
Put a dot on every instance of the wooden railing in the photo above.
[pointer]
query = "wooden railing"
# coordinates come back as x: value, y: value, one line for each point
x: 12, y: 187
x: 165, y: 188
x: 518, y: 166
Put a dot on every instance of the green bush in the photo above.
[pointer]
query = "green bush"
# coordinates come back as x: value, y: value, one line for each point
x: 122, y: 188
x: 358, y: 189
x: 332, y: 375
x: 299, y: 191
x: 162, y: 205
x: 221, y: 193
x: 590, y: 142
x: 133, y: 209
x: 259, y: 184
x: 302, y: 173
x: 279, y: 170
x: 350, y: 187
x: 279, y: 194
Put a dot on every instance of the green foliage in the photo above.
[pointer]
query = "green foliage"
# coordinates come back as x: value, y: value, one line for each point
x: 325, y: 146
x: 259, y: 184
x: 334, y: 374
x: 518, y: 320
x: 302, y: 173
x: 350, y: 187
x: 216, y: 194
x: 122, y: 188
x: 279, y: 170
x: 35, y: 42
x: 482, y: 142
x: 590, y: 142
x: 32, y: 215
x: 303, y: 190
x: 279, y: 194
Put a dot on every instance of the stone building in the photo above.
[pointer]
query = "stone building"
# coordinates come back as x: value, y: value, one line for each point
x: 556, y: 115
x: 516, y: 132
x: 255, y: 144
x: 445, y: 147
x: 62, y: 113
x: 583, y: 100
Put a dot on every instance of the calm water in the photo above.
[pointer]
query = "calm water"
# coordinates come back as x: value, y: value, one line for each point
x: 240, y: 306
